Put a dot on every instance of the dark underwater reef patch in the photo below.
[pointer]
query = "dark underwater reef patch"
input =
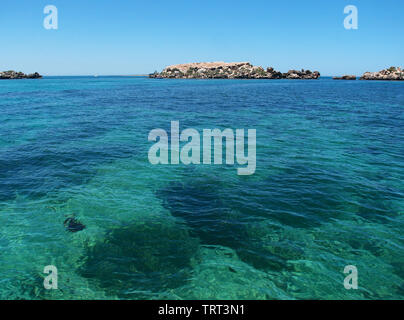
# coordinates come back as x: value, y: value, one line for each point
x: 235, y: 215
x: 250, y: 216
x: 141, y: 260
x: 213, y: 220
x: 35, y: 171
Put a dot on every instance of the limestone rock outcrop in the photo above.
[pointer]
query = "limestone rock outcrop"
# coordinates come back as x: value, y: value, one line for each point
x: 229, y: 70
x: 303, y: 74
x: 393, y: 73
x: 18, y: 75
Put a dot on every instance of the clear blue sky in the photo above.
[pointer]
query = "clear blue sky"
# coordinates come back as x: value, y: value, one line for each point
x: 135, y: 37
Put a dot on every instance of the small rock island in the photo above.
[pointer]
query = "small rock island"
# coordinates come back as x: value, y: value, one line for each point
x: 18, y: 75
x: 392, y: 73
x: 229, y: 70
x: 346, y: 77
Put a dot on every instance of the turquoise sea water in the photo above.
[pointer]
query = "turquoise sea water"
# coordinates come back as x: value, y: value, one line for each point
x: 328, y: 190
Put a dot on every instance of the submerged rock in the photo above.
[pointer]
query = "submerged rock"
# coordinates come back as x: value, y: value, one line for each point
x: 142, y: 259
x: 18, y: 75
x: 72, y: 225
x: 393, y: 73
x: 346, y: 77
x: 216, y: 221
x: 229, y: 70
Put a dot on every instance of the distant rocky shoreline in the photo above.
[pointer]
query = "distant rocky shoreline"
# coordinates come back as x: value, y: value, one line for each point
x: 393, y: 74
x: 232, y: 70
x: 390, y: 74
x: 236, y: 70
x: 18, y: 75
x: 245, y: 70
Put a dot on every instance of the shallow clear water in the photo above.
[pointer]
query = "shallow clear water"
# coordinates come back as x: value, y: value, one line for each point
x: 328, y: 190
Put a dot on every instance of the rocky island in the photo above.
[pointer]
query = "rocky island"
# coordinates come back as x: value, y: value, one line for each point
x: 229, y: 70
x: 18, y: 75
x: 345, y: 78
x: 393, y: 73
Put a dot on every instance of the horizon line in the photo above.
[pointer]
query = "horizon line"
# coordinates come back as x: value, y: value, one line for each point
x: 121, y: 75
